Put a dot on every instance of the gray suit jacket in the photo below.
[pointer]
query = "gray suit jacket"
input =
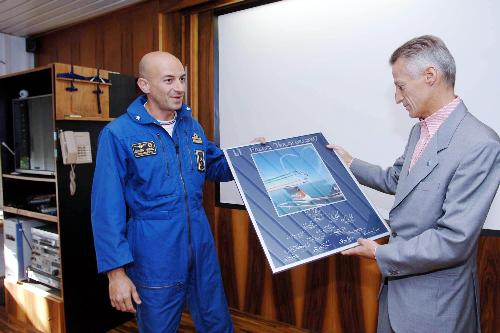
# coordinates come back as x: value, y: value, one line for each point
x: 437, y: 216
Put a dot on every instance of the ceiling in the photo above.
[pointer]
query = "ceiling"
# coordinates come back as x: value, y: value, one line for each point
x: 32, y: 17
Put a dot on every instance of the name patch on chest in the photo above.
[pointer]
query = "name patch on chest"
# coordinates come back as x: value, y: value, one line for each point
x: 142, y: 149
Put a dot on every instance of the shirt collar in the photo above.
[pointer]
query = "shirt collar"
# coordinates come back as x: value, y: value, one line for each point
x: 140, y: 115
x: 435, y: 120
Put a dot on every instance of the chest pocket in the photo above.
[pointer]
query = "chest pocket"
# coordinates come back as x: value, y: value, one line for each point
x: 195, y: 151
x: 195, y: 158
x: 143, y: 149
x: 149, y: 166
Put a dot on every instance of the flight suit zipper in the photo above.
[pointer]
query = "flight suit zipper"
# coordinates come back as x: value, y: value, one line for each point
x: 190, y: 250
x: 187, y: 207
x: 165, y: 153
x: 189, y: 148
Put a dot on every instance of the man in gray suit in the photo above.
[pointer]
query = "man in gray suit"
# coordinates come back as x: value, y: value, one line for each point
x: 444, y: 184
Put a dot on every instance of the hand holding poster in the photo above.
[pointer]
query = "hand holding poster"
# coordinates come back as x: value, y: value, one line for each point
x: 303, y: 202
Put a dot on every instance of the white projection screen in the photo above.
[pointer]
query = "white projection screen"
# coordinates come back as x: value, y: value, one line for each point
x: 302, y: 66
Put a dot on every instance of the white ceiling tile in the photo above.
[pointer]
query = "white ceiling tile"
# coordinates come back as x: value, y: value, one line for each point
x: 31, y: 17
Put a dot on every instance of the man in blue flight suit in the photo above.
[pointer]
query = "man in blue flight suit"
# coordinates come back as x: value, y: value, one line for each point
x: 151, y: 166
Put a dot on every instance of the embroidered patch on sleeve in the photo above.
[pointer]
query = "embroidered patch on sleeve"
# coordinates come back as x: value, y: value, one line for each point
x: 200, y: 160
x: 142, y: 149
x: 196, y: 139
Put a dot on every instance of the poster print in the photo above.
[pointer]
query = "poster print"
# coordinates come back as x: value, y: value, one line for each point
x: 303, y: 202
x: 296, y: 179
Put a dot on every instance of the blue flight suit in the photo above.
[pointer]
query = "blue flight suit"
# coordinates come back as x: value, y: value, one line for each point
x: 147, y: 216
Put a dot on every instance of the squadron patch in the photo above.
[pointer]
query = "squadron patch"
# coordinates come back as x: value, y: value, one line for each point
x: 200, y: 159
x: 196, y: 138
x: 142, y: 149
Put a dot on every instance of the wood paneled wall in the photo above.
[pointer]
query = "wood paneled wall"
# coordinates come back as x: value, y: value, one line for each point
x: 336, y: 294
x: 114, y: 41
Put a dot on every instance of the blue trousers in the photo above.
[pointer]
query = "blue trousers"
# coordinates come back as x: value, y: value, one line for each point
x: 161, y: 307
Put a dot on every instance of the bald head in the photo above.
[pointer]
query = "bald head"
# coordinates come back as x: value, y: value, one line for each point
x: 151, y: 63
x: 163, y: 79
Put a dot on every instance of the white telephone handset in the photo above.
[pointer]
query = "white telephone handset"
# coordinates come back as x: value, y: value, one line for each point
x: 75, y: 147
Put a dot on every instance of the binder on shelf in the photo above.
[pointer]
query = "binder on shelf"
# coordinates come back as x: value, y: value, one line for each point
x: 17, y: 246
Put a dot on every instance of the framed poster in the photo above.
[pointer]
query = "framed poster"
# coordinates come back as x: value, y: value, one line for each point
x: 303, y: 202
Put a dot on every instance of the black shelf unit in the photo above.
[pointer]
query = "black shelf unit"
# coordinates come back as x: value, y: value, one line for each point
x: 84, y: 292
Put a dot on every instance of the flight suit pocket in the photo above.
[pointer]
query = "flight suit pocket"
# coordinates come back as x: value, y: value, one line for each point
x: 159, y: 250
x: 150, y: 166
x: 197, y: 157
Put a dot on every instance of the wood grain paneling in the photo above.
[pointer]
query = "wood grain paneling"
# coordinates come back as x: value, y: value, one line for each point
x: 171, y: 33
x: 314, y: 294
x: 255, y: 277
x: 197, y: 74
x: 177, y: 5
x: 283, y: 297
x: 114, y: 41
x: 348, y: 294
x: 226, y: 257
x: 34, y: 308
x: 489, y: 283
x: 82, y: 103
x: 112, y: 51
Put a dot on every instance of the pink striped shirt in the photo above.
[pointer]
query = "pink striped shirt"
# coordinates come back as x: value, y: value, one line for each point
x: 429, y: 126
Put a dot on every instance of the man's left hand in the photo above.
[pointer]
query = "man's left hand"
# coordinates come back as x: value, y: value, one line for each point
x: 365, y: 249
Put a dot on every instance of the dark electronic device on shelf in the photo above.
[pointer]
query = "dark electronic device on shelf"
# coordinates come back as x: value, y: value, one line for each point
x: 33, y: 135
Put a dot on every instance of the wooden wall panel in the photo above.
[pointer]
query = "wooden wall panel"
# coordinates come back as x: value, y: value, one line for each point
x: 349, y: 296
x: 145, y: 31
x: 127, y: 45
x: 489, y: 283
x: 256, y: 271
x: 227, y: 258
x: 34, y: 308
x: 171, y: 33
x: 45, y: 53
x: 317, y: 280
x: 88, y: 36
x: 283, y: 297
x: 299, y: 284
x: 114, y: 41
x: 112, y: 51
x: 369, y: 285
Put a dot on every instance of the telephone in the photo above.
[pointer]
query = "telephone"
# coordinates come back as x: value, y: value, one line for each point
x: 75, y: 147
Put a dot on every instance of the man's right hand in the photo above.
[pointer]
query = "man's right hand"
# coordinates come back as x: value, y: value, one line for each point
x: 122, y: 291
x: 344, y: 154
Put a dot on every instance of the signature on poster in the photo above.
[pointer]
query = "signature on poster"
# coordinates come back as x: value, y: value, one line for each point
x: 315, y: 238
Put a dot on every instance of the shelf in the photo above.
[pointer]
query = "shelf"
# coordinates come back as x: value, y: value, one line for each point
x: 37, y: 307
x: 38, y: 289
x: 88, y: 118
x: 30, y: 178
x: 84, y: 81
x: 28, y: 213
